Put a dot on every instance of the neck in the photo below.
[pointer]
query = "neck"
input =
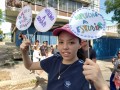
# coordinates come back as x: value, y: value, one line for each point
x: 69, y: 61
x: 85, y: 47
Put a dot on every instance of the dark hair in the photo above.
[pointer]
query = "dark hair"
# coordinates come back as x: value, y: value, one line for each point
x: 80, y: 54
x: 36, y: 41
x: 35, y: 44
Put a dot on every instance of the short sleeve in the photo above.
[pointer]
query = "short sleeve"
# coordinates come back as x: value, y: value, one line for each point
x: 48, y: 64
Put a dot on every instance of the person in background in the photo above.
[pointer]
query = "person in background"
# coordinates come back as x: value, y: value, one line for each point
x: 84, y: 50
x: 44, y: 50
x: 49, y: 52
x: 116, y: 78
x: 116, y: 62
x: 56, y: 51
x: 66, y: 71
x: 52, y: 49
x: 36, y: 55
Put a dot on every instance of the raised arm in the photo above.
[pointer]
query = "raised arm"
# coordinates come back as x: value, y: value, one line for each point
x: 27, y: 61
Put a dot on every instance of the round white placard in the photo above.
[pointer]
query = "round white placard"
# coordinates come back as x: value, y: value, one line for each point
x: 87, y: 24
x: 24, y: 18
x: 45, y: 19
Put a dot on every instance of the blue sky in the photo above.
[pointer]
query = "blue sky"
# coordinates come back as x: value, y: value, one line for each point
x: 106, y: 16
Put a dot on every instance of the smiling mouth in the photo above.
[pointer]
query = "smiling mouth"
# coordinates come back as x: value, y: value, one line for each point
x: 66, y: 54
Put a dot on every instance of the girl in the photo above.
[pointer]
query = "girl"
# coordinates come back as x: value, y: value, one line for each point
x: 66, y: 71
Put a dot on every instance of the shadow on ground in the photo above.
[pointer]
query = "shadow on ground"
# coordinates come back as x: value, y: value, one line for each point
x: 40, y: 83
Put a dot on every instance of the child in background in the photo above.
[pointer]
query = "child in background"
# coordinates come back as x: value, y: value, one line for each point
x: 36, y: 55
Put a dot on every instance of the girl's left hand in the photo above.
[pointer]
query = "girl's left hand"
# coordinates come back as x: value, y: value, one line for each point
x: 93, y: 73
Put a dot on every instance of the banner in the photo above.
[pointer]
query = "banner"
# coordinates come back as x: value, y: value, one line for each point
x: 87, y: 24
x: 24, y: 18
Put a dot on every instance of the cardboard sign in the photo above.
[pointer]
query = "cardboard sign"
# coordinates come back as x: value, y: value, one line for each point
x: 45, y: 19
x: 24, y: 18
x: 87, y: 24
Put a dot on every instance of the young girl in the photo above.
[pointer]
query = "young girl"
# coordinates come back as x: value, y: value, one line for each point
x: 66, y: 71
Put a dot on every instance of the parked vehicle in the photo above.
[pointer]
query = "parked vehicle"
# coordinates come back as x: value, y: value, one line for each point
x: 1, y: 37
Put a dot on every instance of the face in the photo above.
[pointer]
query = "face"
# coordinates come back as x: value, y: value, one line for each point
x: 37, y: 43
x: 119, y: 54
x: 45, y: 44
x: 68, y: 46
x: 83, y: 43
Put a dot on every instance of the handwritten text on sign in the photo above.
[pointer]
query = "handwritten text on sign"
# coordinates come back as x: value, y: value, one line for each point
x: 87, y: 24
x: 45, y: 19
x: 24, y: 18
x: 42, y: 21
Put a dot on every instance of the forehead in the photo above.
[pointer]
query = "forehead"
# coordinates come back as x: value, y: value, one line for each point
x: 66, y: 34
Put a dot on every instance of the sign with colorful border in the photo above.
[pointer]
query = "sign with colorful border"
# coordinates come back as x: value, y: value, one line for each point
x: 45, y: 19
x: 24, y: 18
x: 87, y: 24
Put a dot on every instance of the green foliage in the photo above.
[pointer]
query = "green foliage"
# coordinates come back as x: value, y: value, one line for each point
x: 1, y: 32
x: 0, y: 16
x: 0, y: 13
x: 113, y: 6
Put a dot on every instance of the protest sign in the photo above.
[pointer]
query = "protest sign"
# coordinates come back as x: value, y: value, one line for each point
x: 45, y: 19
x: 24, y: 18
x: 87, y: 24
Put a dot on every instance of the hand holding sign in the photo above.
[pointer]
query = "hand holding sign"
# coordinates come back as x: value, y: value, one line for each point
x: 87, y: 24
x: 24, y: 18
x: 45, y: 19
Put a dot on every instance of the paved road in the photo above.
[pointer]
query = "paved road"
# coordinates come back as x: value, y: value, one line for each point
x: 19, y: 74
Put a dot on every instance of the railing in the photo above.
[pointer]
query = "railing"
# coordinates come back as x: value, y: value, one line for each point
x: 85, y: 1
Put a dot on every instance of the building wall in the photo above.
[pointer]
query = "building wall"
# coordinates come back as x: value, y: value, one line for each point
x: 106, y: 47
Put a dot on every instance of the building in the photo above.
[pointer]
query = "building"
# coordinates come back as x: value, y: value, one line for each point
x: 64, y: 9
x: 105, y: 46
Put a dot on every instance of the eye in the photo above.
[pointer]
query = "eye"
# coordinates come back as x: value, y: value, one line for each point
x: 60, y: 42
x: 72, y: 42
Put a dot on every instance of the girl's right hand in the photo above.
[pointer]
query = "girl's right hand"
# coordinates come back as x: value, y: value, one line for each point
x: 25, y: 46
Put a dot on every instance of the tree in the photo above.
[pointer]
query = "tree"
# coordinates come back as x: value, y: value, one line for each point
x: 0, y: 16
x: 1, y: 32
x: 113, y: 6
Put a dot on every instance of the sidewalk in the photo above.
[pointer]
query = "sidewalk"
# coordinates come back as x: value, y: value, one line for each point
x: 19, y: 74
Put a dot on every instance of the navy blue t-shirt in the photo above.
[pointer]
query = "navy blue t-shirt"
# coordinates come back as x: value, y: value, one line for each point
x: 71, y: 79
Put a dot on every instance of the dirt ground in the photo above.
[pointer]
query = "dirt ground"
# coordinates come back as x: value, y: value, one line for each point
x: 4, y: 75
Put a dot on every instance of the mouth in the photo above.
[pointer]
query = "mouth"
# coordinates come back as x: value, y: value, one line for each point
x: 66, y: 54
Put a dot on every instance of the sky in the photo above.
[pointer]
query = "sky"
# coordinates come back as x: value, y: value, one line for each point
x: 105, y: 15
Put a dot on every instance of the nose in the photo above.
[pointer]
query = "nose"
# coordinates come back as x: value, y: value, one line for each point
x: 65, y: 46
